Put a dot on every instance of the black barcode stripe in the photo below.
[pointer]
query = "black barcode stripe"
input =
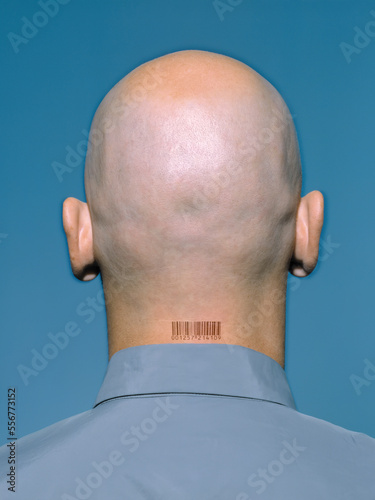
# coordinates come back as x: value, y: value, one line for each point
x: 196, y: 330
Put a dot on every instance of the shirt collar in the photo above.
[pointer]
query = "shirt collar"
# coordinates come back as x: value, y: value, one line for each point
x: 217, y: 369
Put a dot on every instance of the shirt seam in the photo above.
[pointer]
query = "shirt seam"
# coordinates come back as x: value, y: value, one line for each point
x: 202, y: 394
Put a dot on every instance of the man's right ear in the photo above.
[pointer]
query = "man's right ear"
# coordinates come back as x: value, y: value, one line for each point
x: 309, y: 225
x: 78, y: 229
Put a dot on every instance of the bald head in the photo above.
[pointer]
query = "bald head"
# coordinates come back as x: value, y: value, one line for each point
x: 193, y: 168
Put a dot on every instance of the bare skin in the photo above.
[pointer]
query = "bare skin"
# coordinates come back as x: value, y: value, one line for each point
x: 194, y: 209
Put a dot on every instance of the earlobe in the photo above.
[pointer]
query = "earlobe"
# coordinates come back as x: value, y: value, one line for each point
x: 309, y: 224
x: 78, y: 229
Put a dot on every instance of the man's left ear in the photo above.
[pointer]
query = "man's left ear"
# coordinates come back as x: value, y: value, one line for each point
x: 78, y: 229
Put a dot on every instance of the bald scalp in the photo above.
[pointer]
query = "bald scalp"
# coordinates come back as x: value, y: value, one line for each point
x: 193, y: 167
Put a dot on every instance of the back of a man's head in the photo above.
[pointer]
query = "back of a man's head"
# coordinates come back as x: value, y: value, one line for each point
x: 193, y: 183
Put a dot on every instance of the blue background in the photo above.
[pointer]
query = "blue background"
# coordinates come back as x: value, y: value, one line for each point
x: 49, y: 92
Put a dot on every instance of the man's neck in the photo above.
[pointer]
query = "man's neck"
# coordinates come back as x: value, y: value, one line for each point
x: 256, y: 324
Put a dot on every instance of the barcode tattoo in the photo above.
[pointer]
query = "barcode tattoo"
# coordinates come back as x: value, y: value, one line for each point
x: 196, y: 330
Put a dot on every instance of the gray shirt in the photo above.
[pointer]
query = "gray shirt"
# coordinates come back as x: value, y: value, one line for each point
x: 192, y: 422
